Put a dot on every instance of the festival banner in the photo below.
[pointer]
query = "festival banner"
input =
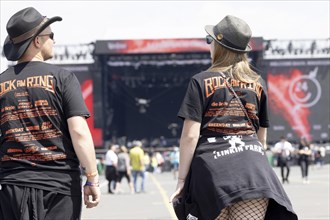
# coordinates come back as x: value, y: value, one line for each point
x: 185, y: 45
x: 85, y: 77
x: 298, y: 92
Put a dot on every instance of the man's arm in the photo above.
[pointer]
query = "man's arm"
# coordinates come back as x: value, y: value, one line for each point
x: 82, y: 143
x: 84, y: 148
x: 142, y: 158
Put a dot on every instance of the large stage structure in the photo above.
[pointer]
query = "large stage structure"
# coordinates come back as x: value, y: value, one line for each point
x: 144, y: 82
x: 134, y: 87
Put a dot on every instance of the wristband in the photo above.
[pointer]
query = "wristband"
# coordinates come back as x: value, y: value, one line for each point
x: 92, y: 184
x: 91, y: 174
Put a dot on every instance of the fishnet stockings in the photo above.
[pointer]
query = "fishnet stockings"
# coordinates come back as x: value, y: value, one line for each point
x: 254, y: 209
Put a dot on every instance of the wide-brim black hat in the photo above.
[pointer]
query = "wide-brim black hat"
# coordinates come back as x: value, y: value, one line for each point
x: 232, y: 33
x: 22, y: 28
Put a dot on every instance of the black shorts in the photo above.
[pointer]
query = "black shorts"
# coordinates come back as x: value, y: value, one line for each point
x: 111, y: 173
x: 24, y: 203
x: 122, y: 174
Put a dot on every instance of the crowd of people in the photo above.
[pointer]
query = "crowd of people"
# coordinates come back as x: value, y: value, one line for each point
x: 133, y: 164
x: 304, y: 154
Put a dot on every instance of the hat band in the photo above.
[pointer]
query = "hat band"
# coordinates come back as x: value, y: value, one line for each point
x: 229, y: 44
x: 28, y: 34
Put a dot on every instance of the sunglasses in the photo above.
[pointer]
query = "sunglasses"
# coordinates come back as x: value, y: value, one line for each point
x: 209, y: 39
x: 51, y: 35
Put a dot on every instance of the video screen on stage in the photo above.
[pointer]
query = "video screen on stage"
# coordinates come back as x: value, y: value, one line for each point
x: 298, y: 92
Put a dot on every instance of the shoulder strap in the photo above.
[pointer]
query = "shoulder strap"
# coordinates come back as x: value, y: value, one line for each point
x: 238, y: 99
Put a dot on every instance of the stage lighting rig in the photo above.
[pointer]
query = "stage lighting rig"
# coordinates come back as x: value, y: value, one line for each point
x: 143, y: 104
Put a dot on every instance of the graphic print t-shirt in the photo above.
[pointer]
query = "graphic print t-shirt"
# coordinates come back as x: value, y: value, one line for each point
x: 36, y: 99
x: 210, y: 102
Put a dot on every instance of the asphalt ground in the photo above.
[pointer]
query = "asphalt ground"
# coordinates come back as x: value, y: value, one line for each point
x: 310, y: 201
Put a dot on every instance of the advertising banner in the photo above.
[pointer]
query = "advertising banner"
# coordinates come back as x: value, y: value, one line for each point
x: 298, y: 92
x: 84, y: 74
x: 161, y: 46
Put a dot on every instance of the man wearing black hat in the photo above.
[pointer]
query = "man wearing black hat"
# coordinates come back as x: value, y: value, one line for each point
x: 44, y: 137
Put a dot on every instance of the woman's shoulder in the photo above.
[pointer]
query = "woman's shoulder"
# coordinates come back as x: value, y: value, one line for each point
x: 204, y: 74
x: 262, y: 81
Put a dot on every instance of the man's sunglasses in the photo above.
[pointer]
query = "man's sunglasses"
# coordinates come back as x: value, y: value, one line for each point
x: 51, y: 35
x: 209, y: 39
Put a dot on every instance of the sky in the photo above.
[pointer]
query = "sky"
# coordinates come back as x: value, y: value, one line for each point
x: 88, y: 21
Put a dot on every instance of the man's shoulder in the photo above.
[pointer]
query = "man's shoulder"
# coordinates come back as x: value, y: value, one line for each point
x: 55, y: 68
x: 136, y: 150
x: 287, y: 143
x: 277, y: 144
x: 38, y: 65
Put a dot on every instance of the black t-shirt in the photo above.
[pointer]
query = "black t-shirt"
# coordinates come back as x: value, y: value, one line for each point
x: 231, y: 162
x: 210, y: 102
x: 305, y: 148
x: 36, y: 149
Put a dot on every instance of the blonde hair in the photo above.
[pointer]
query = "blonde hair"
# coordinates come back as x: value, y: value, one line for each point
x: 234, y: 64
x: 123, y: 149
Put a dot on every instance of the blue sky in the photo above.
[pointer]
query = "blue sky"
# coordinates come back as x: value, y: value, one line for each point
x: 87, y: 21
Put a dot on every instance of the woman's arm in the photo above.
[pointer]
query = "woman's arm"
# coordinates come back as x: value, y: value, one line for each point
x: 188, y: 142
x: 262, y: 136
x: 189, y: 138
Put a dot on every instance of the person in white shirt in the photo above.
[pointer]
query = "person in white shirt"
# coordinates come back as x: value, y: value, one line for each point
x: 110, y: 162
x: 284, y: 150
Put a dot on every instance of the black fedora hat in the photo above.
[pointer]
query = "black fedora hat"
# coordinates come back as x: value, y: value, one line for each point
x: 232, y: 33
x: 22, y: 27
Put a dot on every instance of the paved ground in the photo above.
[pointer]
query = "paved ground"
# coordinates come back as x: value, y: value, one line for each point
x: 310, y: 201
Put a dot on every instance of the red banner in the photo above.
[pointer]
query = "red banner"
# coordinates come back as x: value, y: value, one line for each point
x: 87, y: 91
x: 160, y: 46
x: 84, y: 75
x: 299, y: 99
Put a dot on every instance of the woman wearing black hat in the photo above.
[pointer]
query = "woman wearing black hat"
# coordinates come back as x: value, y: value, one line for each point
x: 44, y: 136
x: 224, y: 172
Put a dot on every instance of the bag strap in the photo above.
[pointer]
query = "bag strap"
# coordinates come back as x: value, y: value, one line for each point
x: 238, y: 99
